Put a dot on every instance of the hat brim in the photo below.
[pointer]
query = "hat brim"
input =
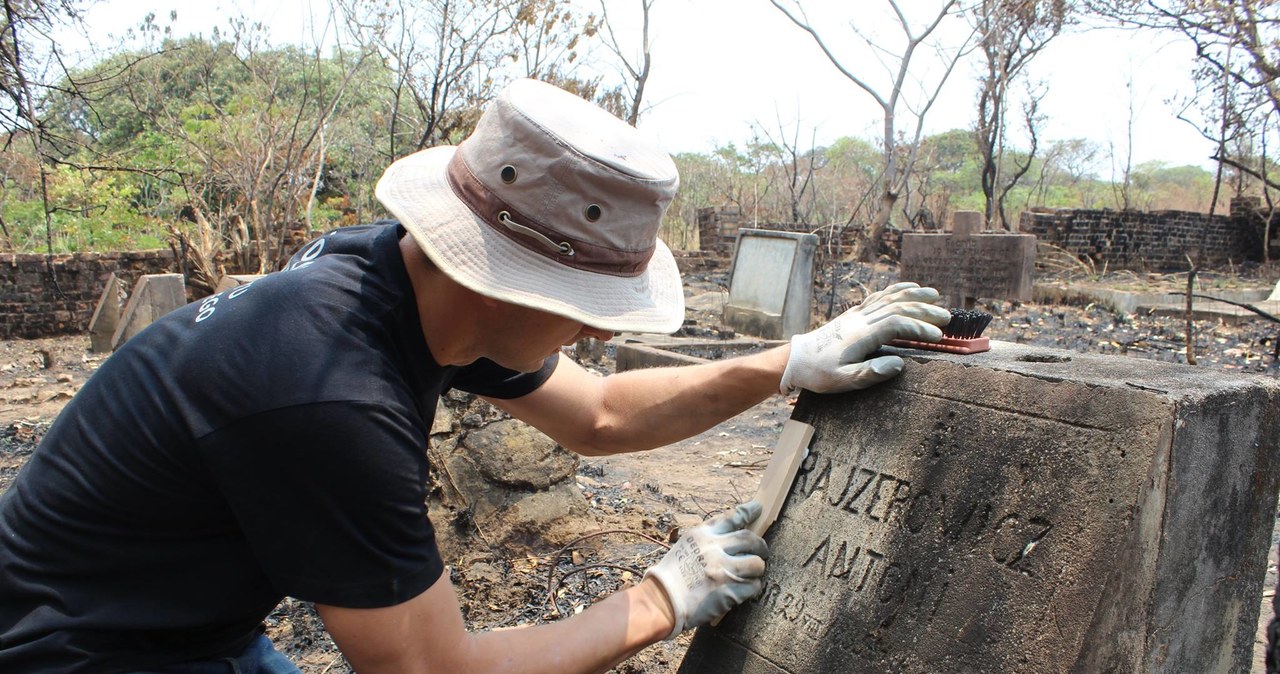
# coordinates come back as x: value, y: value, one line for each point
x: 416, y: 191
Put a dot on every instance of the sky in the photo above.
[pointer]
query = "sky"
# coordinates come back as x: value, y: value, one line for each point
x: 724, y: 67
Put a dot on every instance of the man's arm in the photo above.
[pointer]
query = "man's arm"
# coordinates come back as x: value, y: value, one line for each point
x: 712, y: 568
x: 427, y: 634
x: 643, y: 409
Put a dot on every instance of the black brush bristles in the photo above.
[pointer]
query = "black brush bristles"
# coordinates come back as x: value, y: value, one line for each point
x: 963, y: 335
x: 967, y: 324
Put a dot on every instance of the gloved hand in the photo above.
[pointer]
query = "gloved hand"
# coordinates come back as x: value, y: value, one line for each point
x: 712, y: 568
x: 830, y: 358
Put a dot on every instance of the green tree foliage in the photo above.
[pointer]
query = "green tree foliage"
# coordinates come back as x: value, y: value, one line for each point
x: 29, y: 57
x: 240, y: 148
x: 234, y: 137
x: 253, y: 146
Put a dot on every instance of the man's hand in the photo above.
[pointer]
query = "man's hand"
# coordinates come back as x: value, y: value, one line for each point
x: 830, y: 359
x: 712, y: 568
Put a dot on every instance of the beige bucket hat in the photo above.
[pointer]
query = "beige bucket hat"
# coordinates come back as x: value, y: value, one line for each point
x: 551, y: 203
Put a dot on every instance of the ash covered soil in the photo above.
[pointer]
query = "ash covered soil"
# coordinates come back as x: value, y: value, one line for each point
x: 641, y: 501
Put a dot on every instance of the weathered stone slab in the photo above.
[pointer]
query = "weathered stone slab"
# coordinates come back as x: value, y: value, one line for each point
x: 106, y: 316
x: 153, y: 296
x: 966, y: 264
x: 771, y: 283
x: 1020, y: 510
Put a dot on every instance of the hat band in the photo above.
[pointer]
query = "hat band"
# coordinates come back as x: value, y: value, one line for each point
x: 537, y: 237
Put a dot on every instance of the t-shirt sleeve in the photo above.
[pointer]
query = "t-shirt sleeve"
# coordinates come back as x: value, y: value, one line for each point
x: 332, y: 500
x: 486, y: 378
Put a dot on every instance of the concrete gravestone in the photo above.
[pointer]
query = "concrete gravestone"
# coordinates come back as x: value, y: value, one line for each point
x: 153, y: 296
x: 1021, y: 510
x: 106, y: 316
x: 771, y: 284
x: 966, y: 264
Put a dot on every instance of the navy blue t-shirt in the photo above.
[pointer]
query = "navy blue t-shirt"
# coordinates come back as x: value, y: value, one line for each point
x: 268, y: 441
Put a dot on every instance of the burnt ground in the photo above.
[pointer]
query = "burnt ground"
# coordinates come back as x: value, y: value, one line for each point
x: 640, y: 501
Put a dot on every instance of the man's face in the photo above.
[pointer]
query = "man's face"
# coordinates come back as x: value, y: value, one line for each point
x: 525, y: 337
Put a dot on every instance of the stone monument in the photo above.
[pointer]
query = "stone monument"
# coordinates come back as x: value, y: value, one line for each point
x: 153, y: 296
x: 966, y: 264
x: 1019, y: 510
x: 771, y: 283
x: 106, y: 316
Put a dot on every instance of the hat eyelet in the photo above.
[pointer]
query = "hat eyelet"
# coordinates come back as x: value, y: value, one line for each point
x: 592, y: 212
x: 509, y: 174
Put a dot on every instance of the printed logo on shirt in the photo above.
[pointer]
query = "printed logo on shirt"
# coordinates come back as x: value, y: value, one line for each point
x: 306, y: 257
x: 209, y: 306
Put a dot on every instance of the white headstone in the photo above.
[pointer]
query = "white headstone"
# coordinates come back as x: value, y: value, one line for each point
x: 154, y: 295
x: 771, y: 283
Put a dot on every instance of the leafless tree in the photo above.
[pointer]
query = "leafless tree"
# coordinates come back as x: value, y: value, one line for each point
x: 898, y: 156
x: 1124, y: 190
x: 1011, y: 34
x: 443, y: 53
x: 547, y: 36
x: 637, y: 68
x: 797, y: 168
x: 30, y: 62
x: 251, y: 163
x: 1237, y: 45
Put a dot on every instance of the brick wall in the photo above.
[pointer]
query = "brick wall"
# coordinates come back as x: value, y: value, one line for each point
x: 32, y: 305
x: 1158, y: 241
x: 717, y: 233
x: 718, y: 229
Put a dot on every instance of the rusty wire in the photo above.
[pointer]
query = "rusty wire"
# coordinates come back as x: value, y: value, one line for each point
x: 552, y: 586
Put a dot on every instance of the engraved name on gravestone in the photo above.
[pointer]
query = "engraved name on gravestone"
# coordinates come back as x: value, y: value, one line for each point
x: 771, y: 283
x: 1021, y: 510
x: 966, y: 264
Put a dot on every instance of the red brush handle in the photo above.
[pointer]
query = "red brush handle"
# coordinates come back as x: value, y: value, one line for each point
x: 947, y: 345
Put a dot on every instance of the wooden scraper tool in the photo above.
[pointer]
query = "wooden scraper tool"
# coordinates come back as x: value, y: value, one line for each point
x: 788, y: 454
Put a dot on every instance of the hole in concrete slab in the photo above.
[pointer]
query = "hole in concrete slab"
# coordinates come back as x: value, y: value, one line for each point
x: 1044, y: 358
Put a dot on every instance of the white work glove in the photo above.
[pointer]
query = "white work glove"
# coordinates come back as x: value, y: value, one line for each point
x: 712, y: 568
x: 830, y: 359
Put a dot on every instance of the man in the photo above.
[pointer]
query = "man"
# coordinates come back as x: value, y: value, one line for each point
x: 269, y: 441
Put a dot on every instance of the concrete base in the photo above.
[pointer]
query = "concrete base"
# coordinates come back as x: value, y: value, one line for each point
x: 1126, y: 302
x: 1019, y: 510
